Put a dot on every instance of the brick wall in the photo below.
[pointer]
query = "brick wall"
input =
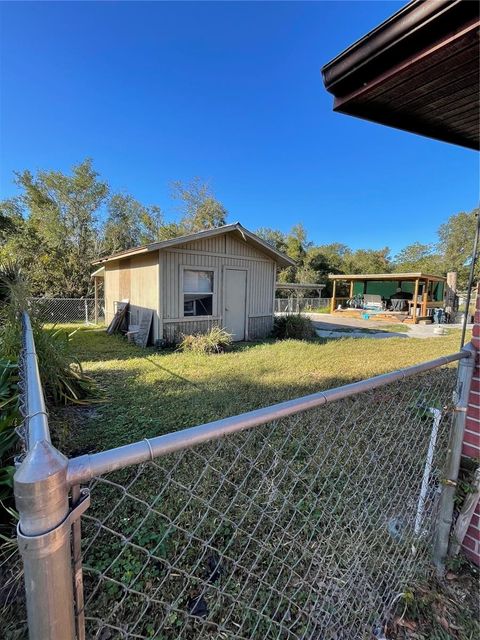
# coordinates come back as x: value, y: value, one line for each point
x: 471, y: 441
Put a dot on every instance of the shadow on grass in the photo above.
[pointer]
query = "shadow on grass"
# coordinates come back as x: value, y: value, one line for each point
x: 134, y: 410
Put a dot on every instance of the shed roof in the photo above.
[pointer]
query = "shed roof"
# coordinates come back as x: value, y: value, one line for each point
x: 279, y: 257
x: 284, y: 286
x: 394, y: 277
x: 417, y: 71
x: 99, y: 273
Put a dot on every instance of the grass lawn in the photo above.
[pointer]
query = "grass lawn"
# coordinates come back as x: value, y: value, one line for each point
x: 255, y: 535
x: 149, y: 393
x: 284, y: 531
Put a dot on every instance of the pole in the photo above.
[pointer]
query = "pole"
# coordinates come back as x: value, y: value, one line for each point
x: 95, y: 284
x: 41, y: 497
x: 415, y: 301
x: 470, y: 280
x: 332, y: 303
x: 446, y: 505
x: 425, y: 298
x: 86, y: 310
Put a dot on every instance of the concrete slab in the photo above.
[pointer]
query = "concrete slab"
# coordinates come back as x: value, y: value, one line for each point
x: 332, y: 326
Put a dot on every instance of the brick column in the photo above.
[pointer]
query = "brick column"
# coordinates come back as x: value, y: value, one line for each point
x: 471, y: 441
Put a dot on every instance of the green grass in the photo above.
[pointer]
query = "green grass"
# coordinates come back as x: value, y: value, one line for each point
x: 395, y: 328
x: 318, y: 310
x: 149, y: 393
x: 388, y: 328
x: 259, y: 502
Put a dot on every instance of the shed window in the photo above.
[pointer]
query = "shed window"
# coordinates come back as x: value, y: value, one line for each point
x: 197, y: 293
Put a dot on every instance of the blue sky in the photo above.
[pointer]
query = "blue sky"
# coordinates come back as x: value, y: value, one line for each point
x: 228, y: 91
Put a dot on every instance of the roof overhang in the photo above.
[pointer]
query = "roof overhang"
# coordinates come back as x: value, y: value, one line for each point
x: 306, y: 286
x: 280, y: 258
x: 99, y: 273
x: 418, y: 71
x: 392, y: 277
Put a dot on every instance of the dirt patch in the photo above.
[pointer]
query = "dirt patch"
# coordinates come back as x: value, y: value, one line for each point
x: 443, y: 610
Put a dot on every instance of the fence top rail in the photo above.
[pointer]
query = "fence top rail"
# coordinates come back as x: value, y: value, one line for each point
x: 49, y: 299
x: 35, y: 413
x: 83, y: 468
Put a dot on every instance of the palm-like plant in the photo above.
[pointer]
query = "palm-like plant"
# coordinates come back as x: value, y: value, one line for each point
x: 61, y: 373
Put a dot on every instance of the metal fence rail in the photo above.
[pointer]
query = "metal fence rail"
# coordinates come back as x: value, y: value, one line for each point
x: 309, y: 526
x: 42, y: 500
x: 299, y: 305
x: 307, y: 519
x: 84, y: 310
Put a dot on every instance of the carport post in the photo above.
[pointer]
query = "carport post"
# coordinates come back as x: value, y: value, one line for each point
x: 95, y: 286
x: 415, y: 302
x: 332, y: 304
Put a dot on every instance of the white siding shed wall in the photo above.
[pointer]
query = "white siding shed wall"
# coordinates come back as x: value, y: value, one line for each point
x: 216, y: 253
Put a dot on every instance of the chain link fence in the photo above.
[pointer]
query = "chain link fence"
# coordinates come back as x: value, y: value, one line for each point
x: 299, y: 305
x: 71, y: 310
x: 310, y: 519
x: 311, y: 526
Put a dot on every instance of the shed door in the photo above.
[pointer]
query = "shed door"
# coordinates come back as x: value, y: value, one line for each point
x: 235, y: 301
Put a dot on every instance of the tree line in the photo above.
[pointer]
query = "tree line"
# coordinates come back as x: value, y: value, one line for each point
x: 60, y: 223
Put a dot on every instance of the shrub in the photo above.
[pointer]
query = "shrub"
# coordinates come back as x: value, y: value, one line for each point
x: 216, y: 340
x: 296, y: 327
x: 61, y: 374
x: 9, y: 420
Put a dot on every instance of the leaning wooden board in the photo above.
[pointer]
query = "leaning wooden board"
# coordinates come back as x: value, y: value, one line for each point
x: 119, y: 319
x: 141, y: 338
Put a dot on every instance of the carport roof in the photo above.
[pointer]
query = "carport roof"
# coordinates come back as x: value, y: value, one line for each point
x: 393, y: 277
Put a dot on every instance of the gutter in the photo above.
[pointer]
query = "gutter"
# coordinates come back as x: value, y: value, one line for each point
x: 415, y: 26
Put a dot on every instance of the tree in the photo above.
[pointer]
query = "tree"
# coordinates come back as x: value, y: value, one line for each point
x: 455, y: 244
x: 60, y: 237
x: 327, y: 258
x: 419, y: 257
x: 199, y: 208
x: 367, y: 261
x: 129, y: 223
x: 11, y: 219
x: 297, y: 244
x: 323, y: 260
x: 274, y: 237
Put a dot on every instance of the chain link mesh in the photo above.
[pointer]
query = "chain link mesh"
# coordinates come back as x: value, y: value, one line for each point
x: 297, y: 305
x: 22, y: 428
x: 308, y: 527
x: 56, y: 310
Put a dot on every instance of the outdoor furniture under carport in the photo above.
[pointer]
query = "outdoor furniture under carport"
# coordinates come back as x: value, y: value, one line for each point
x: 426, y: 291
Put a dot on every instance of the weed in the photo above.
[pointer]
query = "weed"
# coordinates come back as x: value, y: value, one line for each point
x: 217, y: 340
x: 296, y: 327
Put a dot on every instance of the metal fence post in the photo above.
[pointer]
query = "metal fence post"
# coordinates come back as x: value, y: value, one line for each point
x: 41, y: 497
x: 446, y: 505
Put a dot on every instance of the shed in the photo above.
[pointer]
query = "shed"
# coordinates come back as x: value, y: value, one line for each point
x: 224, y: 276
